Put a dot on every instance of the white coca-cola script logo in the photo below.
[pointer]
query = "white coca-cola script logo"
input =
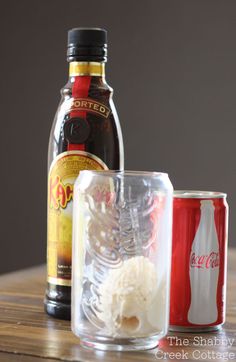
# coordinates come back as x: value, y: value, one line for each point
x: 205, y: 261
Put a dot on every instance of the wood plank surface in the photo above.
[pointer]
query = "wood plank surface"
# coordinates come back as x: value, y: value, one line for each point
x: 28, y: 334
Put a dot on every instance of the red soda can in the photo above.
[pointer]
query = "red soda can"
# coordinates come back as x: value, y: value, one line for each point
x: 199, y: 259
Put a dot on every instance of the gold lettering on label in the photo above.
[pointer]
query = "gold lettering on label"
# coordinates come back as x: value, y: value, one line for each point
x: 76, y: 104
x: 90, y: 105
x: 84, y: 104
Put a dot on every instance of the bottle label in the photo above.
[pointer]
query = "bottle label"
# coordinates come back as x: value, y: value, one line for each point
x: 90, y: 105
x: 62, y: 174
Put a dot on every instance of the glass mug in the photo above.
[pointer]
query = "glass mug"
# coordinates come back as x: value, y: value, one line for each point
x: 122, y: 226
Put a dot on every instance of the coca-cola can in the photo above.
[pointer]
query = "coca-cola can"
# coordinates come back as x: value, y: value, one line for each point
x: 199, y: 260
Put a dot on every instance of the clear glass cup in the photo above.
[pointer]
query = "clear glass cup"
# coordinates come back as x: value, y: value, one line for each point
x: 122, y: 226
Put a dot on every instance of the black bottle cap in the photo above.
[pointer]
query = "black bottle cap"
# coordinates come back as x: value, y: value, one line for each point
x: 87, y: 44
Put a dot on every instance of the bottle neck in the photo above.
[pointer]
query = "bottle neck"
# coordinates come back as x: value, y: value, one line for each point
x: 92, y: 69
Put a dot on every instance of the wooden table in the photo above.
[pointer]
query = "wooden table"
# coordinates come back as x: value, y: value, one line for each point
x: 27, y: 334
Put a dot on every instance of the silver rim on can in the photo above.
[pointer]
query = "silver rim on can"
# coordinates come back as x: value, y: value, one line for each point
x: 192, y: 194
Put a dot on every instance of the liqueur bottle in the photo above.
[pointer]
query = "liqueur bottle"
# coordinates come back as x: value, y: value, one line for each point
x: 85, y: 134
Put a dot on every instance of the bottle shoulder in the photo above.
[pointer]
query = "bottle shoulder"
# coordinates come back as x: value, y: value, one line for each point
x: 86, y: 115
x: 97, y: 87
x: 99, y: 95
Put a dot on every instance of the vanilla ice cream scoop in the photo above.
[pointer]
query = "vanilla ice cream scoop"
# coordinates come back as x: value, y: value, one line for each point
x: 130, y: 302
